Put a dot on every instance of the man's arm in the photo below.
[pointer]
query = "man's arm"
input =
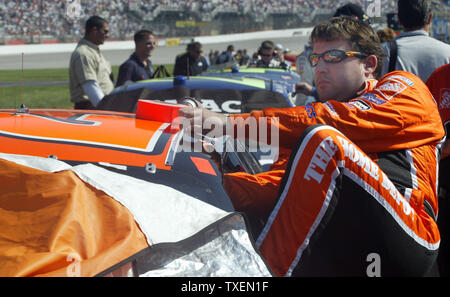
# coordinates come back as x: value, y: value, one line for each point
x: 399, y: 111
x: 93, y: 91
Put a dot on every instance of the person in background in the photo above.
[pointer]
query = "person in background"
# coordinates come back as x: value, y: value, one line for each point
x: 439, y: 85
x: 90, y: 74
x: 386, y: 34
x: 414, y: 50
x: 238, y: 56
x: 268, y: 57
x: 352, y: 10
x: 245, y: 58
x: 138, y: 66
x: 192, y: 62
x: 306, y: 72
x: 213, y: 57
x: 226, y: 56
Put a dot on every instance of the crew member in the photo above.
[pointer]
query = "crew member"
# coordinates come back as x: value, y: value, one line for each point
x: 138, y: 66
x: 192, y: 62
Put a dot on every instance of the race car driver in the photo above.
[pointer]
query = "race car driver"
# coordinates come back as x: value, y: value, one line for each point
x: 357, y: 194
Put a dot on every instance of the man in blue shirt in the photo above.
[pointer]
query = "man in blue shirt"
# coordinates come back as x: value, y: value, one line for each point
x: 226, y: 56
x: 192, y: 62
x: 138, y: 66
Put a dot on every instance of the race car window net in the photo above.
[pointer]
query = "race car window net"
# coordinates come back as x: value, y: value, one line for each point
x: 239, y: 158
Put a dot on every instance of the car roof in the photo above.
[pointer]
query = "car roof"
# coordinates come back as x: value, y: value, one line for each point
x: 197, y: 82
x: 276, y: 76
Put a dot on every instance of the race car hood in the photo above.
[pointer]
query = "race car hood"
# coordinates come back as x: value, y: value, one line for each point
x: 87, y: 193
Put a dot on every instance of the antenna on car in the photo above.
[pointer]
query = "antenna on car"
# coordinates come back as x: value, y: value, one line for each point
x: 21, y: 87
x: 22, y: 108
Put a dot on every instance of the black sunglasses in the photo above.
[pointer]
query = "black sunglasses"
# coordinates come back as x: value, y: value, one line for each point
x: 152, y: 43
x: 334, y: 56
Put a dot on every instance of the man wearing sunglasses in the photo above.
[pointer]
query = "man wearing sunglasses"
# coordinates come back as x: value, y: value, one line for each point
x: 268, y: 57
x: 353, y: 191
x: 192, y: 62
x: 333, y: 56
x: 90, y: 74
x: 138, y: 66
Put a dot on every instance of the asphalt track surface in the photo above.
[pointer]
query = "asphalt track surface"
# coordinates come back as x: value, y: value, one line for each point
x: 161, y: 55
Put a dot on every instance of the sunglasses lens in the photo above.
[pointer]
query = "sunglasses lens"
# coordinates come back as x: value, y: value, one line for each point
x: 313, y: 60
x: 333, y: 57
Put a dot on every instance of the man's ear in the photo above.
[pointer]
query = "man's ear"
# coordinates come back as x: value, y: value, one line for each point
x: 370, y: 65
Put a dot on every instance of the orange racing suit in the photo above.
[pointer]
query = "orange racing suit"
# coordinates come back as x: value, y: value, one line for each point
x: 361, y: 182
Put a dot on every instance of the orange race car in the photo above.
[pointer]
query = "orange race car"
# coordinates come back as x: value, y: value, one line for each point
x: 101, y: 193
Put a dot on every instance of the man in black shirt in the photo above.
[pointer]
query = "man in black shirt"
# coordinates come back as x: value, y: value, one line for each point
x: 192, y: 62
x: 138, y: 66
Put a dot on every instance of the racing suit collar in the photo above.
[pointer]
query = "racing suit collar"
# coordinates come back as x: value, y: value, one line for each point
x: 369, y: 85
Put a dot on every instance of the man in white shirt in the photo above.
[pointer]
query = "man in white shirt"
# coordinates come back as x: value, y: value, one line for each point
x: 90, y: 74
x: 417, y: 52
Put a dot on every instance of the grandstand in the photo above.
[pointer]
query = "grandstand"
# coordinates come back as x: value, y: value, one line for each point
x: 44, y: 21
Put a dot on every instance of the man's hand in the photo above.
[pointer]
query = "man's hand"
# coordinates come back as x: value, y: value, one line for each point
x: 303, y: 88
x: 204, y: 120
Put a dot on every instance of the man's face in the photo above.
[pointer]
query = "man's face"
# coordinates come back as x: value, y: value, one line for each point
x: 145, y: 47
x: 338, y: 81
x: 100, y: 34
x: 266, y: 55
x: 196, y: 52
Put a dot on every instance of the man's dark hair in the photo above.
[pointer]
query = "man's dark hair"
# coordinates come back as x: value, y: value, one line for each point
x: 267, y: 44
x: 360, y: 35
x: 94, y: 22
x: 351, y: 9
x: 193, y: 46
x: 142, y: 35
x: 414, y: 14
